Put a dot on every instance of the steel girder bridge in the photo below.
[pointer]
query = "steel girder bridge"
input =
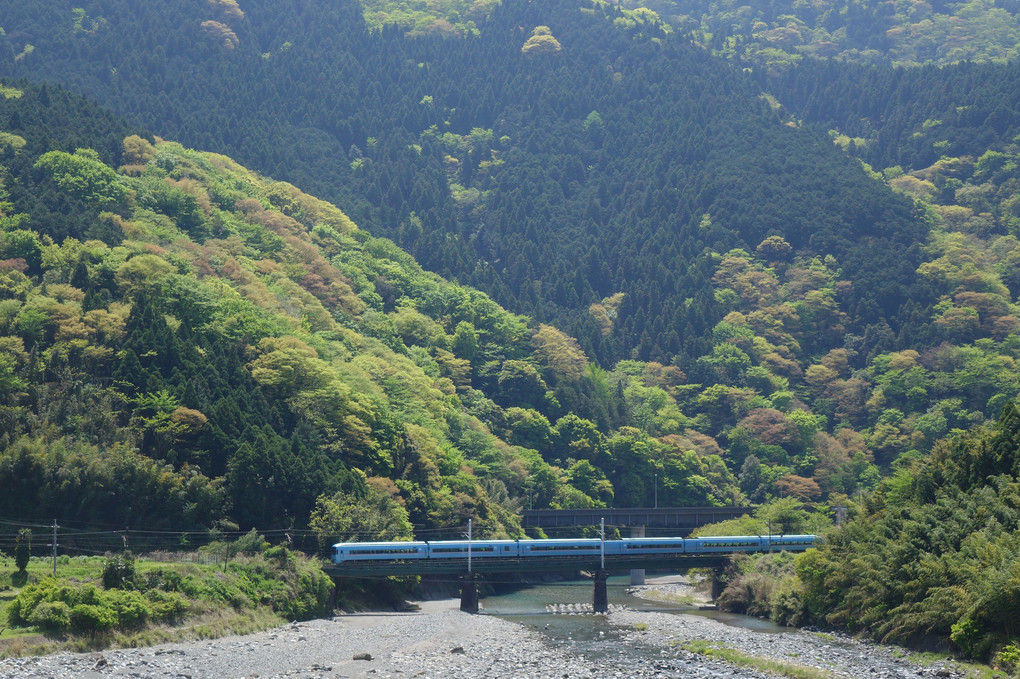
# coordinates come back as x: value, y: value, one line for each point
x: 480, y: 566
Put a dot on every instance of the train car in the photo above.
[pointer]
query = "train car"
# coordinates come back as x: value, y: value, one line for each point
x: 580, y: 547
x: 726, y: 543
x: 484, y: 549
x: 378, y: 551
x: 639, y: 546
x: 793, y: 543
x: 480, y: 549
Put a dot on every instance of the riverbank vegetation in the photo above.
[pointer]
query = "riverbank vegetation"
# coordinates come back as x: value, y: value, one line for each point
x: 118, y: 600
x: 782, y: 668
x: 929, y: 558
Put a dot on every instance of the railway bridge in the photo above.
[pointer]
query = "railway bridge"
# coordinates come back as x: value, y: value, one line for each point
x: 598, y: 564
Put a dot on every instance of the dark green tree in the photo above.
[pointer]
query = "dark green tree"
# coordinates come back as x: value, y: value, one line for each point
x: 22, y: 549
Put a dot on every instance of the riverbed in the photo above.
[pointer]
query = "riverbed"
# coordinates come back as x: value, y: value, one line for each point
x: 532, y: 634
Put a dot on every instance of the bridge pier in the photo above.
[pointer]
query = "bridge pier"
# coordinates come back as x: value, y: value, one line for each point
x: 600, y: 604
x: 717, y: 583
x: 468, y: 593
x: 637, y: 575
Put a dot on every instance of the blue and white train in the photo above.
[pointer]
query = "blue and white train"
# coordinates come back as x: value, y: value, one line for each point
x: 344, y: 552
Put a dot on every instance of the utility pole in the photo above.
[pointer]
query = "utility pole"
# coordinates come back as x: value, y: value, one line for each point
x: 54, y: 548
x: 600, y: 602
x: 655, y: 486
x: 602, y: 545
x: 468, y: 590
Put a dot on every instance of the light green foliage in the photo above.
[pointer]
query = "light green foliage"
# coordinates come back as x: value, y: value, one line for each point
x: 914, y: 33
x: 11, y: 141
x: 785, y: 516
x: 141, y: 273
x: 21, y: 244
x: 1008, y: 658
x: 934, y: 552
x: 593, y: 120
x: 84, y: 176
x: 346, y: 517
x: 782, y: 668
x: 561, y: 353
x: 449, y: 18
x: 530, y: 429
x: 591, y: 481
x: 285, y: 583
x: 83, y: 24
x: 541, y: 41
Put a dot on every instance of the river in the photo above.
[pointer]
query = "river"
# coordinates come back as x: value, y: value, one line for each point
x: 516, y: 637
x: 561, y: 611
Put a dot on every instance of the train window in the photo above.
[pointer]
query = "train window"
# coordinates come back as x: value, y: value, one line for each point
x: 388, y: 551
x: 730, y: 543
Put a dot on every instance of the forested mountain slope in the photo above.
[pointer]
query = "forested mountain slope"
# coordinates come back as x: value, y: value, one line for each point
x: 183, y: 342
x: 906, y: 116
x: 780, y: 34
x: 186, y: 316
x: 553, y: 171
x: 931, y: 557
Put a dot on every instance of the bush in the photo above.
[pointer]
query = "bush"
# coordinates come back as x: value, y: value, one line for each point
x: 1008, y: 659
x: 765, y: 586
x: 164, y: 579
x: 51, y: 616
x: 166, y: 606
x: 972, y: 638
x: 305, y: 598
x: 292, y: 585
x: 132, y: 608
x: 20, y: 610
x: 119, y: 571
x: 250, y: 544
x: 281, y: 556
x: 92, y: 618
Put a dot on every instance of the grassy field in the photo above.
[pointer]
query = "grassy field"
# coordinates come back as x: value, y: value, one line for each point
x: 99, y: 602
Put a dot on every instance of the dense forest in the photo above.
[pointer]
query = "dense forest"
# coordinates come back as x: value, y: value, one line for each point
x: 907, y: 117
x: 574, y: 255
x: 780, y: 35
x: 927, y: 559
x: 186, y: 342
x: 553, y: 186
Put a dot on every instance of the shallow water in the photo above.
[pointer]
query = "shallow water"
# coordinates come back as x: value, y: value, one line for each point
x: 529, y: 607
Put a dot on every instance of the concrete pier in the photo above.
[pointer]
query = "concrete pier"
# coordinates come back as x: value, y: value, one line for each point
x: 718, y: 584
x: 600, y: 604
x: 468, y: 594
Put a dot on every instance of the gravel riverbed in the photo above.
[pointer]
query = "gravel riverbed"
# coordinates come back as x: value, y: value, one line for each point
x: 441, y: 642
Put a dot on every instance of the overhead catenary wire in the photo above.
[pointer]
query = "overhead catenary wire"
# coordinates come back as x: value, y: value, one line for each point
x: 97, y: 538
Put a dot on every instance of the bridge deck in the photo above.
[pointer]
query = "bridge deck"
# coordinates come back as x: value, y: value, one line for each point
x: 361, y: 569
